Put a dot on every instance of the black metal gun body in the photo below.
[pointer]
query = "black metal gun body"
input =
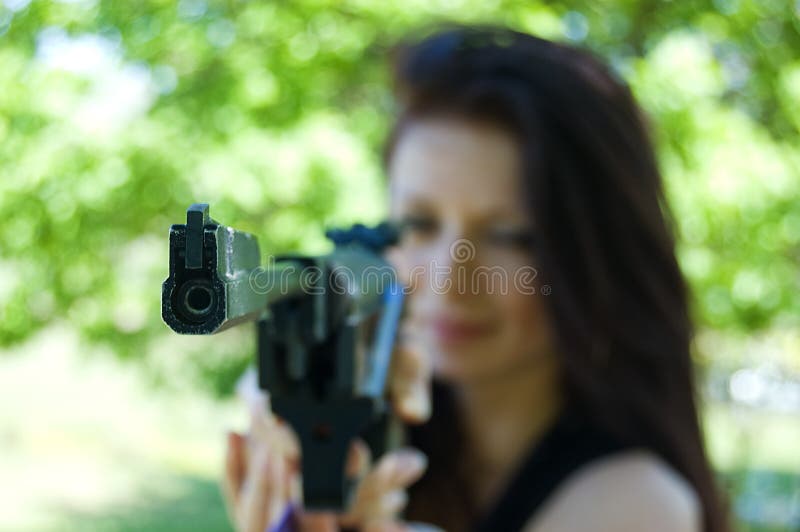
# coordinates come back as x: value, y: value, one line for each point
x: 326, y: 326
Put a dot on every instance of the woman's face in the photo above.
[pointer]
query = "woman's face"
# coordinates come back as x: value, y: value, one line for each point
x: 465, y: 255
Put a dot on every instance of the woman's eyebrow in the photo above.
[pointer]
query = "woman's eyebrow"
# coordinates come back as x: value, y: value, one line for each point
x: 500, y: 213
x: 412, y: 198
x: 499, y: 217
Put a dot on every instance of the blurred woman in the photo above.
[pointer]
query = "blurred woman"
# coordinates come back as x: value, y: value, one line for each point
x: 545, y: 358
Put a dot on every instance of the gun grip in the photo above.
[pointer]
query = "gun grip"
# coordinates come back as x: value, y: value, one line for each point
x: 326, y: 430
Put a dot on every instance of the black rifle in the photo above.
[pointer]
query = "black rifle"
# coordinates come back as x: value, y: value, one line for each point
x: 325, y: 325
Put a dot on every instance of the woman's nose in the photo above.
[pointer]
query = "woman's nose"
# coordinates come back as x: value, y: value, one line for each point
x: 454, y: 260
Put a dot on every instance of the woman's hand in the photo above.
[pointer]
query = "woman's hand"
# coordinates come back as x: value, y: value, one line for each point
x: 262, y: 480
x: 259, y: 482
x: 262, y: 477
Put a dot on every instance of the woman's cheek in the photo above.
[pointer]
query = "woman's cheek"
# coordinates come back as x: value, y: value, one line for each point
x: 527, y: 315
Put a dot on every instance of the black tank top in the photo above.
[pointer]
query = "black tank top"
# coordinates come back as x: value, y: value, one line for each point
x: 571, y: 442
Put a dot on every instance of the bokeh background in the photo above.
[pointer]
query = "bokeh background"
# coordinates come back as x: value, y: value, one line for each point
x: 115, y: 116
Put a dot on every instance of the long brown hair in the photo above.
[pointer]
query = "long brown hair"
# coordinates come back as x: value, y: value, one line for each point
x: 619, y: 303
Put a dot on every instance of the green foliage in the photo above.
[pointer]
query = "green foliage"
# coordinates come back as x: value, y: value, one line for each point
x: 115, y: 116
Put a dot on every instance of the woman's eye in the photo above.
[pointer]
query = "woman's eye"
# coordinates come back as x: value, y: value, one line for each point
x: 517, y: 238
x: 417, y: 224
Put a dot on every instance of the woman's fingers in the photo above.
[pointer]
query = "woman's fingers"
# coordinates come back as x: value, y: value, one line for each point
x: 265, y: 494
x: 262, y: 478
x: 260, y: 483
x: 395, y: 470
x: 410, y: 376
x: 261, y: 474
x: 259, y: 492
x: 265, y: 426
x: 317, y: 522
x: 263, y: 470
x: 381, y: 493
x: 235, y: 470
x: 276, y: 434
x: 359, y: 459
x: 397, y: 526
x: 386, y: 507
x: 386, y: 526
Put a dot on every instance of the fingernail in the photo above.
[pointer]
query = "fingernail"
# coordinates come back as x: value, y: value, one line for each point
x: 412, y: 460
x: 417, y: 403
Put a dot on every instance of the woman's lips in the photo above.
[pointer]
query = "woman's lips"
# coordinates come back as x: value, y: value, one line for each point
x: 452, y: 331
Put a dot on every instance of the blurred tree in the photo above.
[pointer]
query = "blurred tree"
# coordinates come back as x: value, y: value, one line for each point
x: 114, y: 116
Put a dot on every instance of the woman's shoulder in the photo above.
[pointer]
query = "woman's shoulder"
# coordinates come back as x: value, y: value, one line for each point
x: 626, y: 491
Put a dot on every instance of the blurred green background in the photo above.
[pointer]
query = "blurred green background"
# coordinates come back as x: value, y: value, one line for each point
x: 115, y: 116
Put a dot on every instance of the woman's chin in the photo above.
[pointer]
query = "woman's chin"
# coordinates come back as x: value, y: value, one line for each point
x: 459, y: 366
x: 478, y: 363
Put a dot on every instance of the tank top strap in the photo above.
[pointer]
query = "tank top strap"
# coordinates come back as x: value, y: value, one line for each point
x: 570, y: 443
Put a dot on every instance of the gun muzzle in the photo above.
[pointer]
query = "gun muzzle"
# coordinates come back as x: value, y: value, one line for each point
x: 212, y: 269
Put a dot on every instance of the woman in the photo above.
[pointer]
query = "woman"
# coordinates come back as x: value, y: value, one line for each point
x: 546, y: 303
